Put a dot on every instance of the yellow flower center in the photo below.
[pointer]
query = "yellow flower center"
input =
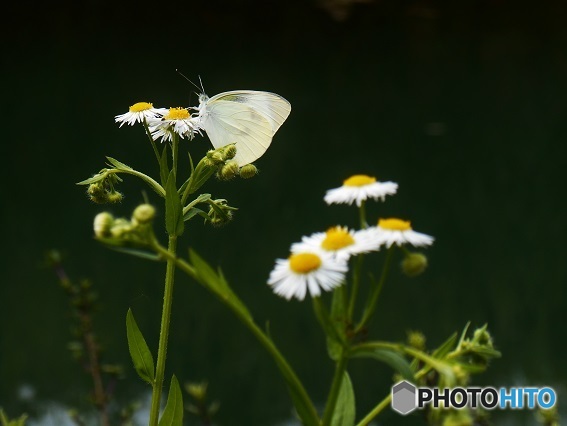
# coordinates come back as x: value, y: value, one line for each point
x: 359, y: 180
x: 177, y: 114
x: 303, y: 263
x: 141, y: 106
x: 337, y: 238
x: 394, y: 224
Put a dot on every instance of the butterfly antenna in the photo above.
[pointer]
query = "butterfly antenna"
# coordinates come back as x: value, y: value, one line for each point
x: 201, y: 81
x: 186, y: 78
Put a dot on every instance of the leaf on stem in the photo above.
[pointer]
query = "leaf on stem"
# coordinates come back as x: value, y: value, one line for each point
x: 345, y: 409
x: 173, y: 412
x: 387, y: 356
x: 216, y: 283
x: 163, y: 166
x: 139, y: 351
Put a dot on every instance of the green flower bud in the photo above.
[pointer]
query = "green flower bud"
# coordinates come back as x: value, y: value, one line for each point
x: 197, y: 390
x: 230, y: 151
x: 102, y: 224
x: 144, y: 213
x: 229, y: 170
x: 120, y: 227
x: 248, y: 171
x: 114, y: 197
x: 216, y: 156
x: 414, y: 264
x: 416, y: 340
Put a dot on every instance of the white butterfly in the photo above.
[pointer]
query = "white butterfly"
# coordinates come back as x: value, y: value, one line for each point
x: 248, y: 118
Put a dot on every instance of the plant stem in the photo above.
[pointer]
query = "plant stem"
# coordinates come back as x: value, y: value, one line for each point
x: 371, y: 306
x: 340, y: 368
x: 152, y: 142
x: 164, y: 331
x: 375, y: 411
x: 355, y: 286
x: 297, y: 391
x: 362, y: 215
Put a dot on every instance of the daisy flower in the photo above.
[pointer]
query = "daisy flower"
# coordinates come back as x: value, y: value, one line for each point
x: 359, y: 188
x: 138, y: 112
x: 340, y: 241
x: 396, y: 231
x: 303, y: 271
x: 175, y: 120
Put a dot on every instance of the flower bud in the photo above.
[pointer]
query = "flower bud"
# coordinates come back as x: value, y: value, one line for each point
x: 114, y: 197
x: 230, y: 151
x: 248, y: 171
x: 414, y: 264
x: 416, y: 340
x: 229, y: 170
x: 102, y: 224
x: 120, y: 227
x: 144, y: 213
x: 216, y: 156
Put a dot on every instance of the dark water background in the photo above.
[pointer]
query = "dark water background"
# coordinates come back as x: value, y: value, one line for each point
x: 462, y: 103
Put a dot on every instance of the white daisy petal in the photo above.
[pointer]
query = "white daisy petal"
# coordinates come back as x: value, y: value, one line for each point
x: 305, y: 271
x: 138, y: 112
x: 396, y: 231
x: 359, y: 188
x: 339, y: 241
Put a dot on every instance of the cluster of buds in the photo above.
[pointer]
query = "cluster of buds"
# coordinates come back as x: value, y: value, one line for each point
x: 102, y: 191
x: 118, y: 231
x: 228, y: 168
x: 220, y: 213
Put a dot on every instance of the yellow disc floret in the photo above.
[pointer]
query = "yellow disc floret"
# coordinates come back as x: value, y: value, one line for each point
x: 394, y: 224
x: 303, y: 263
x: 177, y: 114
x: 337, y: 238
x: 359, y: 180
x: 141, y: 106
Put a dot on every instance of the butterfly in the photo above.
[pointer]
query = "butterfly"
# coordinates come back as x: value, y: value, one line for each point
x: 248, y: 118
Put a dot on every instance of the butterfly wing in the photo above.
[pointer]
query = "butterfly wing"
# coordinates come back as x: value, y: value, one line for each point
x: 275, y: 108
x: 229, y: 122
x: 246, y: 117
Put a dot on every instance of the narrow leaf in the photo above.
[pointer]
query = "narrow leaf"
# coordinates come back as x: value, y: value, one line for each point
x: 194, y: 211
x: 136, y: 252
x: 118, y: 164
x: 173, y: 412
x: 389, y: 357
x: 96, y: 178
x: 445, y: 347
x: 345, y: 410
x: 173, y: 210
x: 139, y: 351
x: 335, y: 342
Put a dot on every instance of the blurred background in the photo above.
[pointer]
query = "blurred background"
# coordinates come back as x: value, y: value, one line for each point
x: 461, y: 103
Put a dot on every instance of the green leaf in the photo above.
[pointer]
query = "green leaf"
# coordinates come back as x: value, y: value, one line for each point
x: 446, y: 347
x: 163, y: 166
x: 136, y: 252
x: 173, y: 210
x: 173, y: 412
x: 139, y: 351
x: 338, y: 319
x: 96, y: 178
x: 387, y: 356
x: 216, y: 283
x: 335, y: 341
x: 345, y: 410
x: 118, y: 164
x: 194, y: 211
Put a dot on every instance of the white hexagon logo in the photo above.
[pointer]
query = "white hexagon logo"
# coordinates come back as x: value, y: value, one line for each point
x: 403, y: 397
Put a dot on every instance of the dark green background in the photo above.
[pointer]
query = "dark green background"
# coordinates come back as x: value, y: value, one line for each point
x: 462, y: 103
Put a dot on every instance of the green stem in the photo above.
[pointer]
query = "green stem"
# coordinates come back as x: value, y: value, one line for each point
x: 164, y: 331
x: 362, y: 215
x: 355, y: 286
x: 375, y: 411
x: 152, y: 142
x: 298, y: 392
x: 371, y: 306
x: 340, y: 368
